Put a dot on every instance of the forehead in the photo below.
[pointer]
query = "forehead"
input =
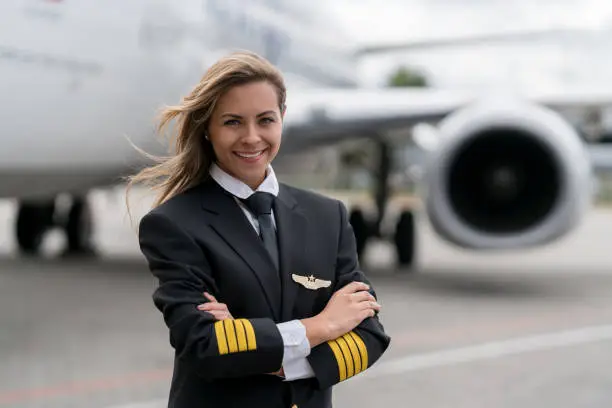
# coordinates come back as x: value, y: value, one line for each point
x: 253, y: 98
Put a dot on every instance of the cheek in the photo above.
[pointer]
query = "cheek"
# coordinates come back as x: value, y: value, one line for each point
x: 275, y: 148
x: 274, y: 138
x: 221, y: 143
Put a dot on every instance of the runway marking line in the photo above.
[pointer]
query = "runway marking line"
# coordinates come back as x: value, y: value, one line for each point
x: 467, y: 354
x: 504, y: 328
x: 489, y: 350
x: 397, y: 365
x: 80, y: 387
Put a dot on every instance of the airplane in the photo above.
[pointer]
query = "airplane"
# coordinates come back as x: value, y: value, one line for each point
x: 81, y: 81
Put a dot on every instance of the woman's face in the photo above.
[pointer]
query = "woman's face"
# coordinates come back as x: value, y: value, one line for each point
x: 245, y: 131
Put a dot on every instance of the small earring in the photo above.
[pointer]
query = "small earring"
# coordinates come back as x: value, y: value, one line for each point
x: 206, y: 136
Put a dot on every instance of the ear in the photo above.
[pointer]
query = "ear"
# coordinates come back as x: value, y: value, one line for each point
x: 283, y: 111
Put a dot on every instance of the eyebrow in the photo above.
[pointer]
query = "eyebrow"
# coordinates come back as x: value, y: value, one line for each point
x: 233, y: 115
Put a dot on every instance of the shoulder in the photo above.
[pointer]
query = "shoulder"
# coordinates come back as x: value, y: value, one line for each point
x: 177, y: 210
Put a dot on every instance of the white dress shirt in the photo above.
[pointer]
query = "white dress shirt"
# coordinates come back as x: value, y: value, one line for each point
x: 296, y: 345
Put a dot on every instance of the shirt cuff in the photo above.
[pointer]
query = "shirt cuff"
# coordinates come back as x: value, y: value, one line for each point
x: 296, y: 349
x: 295, y: 342
x: 298, y: 369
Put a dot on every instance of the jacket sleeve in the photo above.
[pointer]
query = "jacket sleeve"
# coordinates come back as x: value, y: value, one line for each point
x: 354, y: 352
x: 214, y: 349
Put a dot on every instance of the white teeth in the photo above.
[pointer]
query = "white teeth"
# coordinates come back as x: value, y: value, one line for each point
x: 249, y: 155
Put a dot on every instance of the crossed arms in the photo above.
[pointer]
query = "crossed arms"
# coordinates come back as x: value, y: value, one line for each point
x: 242, y: 347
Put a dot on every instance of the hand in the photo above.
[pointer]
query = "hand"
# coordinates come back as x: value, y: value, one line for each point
x: 347, y: 308
x: 218, y: 310
x: 280, y: 373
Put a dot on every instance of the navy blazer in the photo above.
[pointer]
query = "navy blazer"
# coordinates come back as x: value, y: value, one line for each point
x: 200, y: 240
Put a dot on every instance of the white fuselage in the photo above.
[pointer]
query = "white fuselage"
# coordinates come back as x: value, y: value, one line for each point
x: 78, y: 79
x: 74, y: 84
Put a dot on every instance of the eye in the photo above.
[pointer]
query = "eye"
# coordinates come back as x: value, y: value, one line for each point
x: 266, y: 121
x: 231, y: 122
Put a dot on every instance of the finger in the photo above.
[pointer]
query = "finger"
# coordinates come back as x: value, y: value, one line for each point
x: 220, y: 315
x: 367, y: 313
x: 209, y: 297
x: 363, y: 296
x: 213, y: 306
x: 217, y: 316
x: 370, y: 305
x: 354, y: 287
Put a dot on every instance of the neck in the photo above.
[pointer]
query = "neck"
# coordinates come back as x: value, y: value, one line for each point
x: 256, y: 184
x: 252, y: 183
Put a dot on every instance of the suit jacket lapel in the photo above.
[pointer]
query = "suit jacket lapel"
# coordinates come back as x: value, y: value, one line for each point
x: 232, y: 225
x: 292, y: 227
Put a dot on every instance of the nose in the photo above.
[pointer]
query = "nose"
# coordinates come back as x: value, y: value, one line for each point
x: 251, y: 135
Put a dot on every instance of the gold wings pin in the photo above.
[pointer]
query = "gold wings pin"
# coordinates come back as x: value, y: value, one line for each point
x: 310, y: 282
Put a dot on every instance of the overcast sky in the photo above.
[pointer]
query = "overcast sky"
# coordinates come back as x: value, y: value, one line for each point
x: 551, y: 64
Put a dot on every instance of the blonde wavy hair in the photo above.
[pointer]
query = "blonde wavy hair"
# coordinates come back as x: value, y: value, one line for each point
x: 193, y: 154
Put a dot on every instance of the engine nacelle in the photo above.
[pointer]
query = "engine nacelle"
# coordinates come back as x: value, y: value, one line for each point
x: 507, y: 175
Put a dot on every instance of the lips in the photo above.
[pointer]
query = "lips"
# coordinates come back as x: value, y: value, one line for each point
x: 249, y: 155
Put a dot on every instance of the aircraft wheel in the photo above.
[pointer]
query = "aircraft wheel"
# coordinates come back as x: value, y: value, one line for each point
x: 33, y: 220
x: 360, y: 229
x: 79, y: 228
x: 405, y: 239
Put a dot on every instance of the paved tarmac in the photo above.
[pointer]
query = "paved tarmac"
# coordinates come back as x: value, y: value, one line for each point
x: 528, y: 329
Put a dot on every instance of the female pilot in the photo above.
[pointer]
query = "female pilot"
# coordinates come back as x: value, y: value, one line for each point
x: 259, y: 282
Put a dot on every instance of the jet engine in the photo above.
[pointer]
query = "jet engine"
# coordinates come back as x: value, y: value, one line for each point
x: 506, y: 175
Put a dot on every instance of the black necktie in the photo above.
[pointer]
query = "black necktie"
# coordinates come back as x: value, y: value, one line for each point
x: 260, y: 204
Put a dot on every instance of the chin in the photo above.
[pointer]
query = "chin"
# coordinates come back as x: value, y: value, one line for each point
x: 248, y: 172
x: 252, y: 175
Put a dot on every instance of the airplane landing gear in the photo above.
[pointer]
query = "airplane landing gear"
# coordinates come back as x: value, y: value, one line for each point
x: 361, y: 229
x: 404, y: 238
x: 35, y: 219
x: 78, y: 228
x: 404, y: 235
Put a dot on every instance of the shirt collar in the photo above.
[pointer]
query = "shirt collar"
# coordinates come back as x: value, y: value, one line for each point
x: 238, y: 188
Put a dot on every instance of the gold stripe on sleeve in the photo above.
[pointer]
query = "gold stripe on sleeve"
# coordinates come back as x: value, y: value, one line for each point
x: 221, y: 340
x: 339, y: 359
x: 241, y: 335
x: 362, y: 350
x: 250, y: 334
x: 230, y: 334
x: 348, y: 357
x: 354, y: 352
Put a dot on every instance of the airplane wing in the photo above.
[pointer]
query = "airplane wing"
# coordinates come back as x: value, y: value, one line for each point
x: 328, y: 116
x: 324, y: 117
x: 478, y: 39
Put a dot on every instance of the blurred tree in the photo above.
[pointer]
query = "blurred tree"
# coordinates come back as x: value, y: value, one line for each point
x: 363, y: 157
x: 408, y: 77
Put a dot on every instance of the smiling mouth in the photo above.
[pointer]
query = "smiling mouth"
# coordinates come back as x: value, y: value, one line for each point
x: 250, y: 155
